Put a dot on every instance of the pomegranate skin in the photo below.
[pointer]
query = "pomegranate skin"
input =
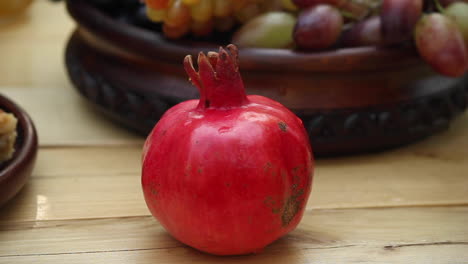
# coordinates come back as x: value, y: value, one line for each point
x: 228, y: 181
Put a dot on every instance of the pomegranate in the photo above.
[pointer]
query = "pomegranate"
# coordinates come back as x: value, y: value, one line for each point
x: 227, y: 174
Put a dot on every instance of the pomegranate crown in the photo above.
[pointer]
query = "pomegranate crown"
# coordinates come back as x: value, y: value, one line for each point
x: 218, y: 78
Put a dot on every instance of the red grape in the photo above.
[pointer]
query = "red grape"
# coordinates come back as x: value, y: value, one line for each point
x: 398, y: 19
x: 318, y: 27
x: 364, y: 33
x: 441, y: 44
x: 357, y: 8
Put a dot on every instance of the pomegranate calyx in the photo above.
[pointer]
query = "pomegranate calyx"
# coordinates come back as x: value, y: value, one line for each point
x: 218, y: 79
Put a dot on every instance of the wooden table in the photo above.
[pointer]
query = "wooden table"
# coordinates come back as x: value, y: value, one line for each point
x: 84, y: 203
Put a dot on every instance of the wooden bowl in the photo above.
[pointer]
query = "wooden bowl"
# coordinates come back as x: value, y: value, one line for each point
x: 351, y: 100
x: 15, y: 172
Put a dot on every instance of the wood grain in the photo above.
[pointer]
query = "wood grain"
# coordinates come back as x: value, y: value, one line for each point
x: 66, y: 180
x: 424, y: 235
x: 84, y: 204
x: 62, y: 118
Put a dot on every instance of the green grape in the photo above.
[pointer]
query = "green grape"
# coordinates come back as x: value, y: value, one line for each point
x: 203, y: 11
x: 156, y: 15
x: 458, y: 11
x: 191, y: 2
x: 270, y: 30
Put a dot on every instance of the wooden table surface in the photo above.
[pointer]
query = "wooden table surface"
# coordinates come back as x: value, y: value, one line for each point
x: 83, y: 203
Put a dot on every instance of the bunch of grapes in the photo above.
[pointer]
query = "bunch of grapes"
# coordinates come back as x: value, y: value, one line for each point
x: 438, y: 28
x: 202, y: 17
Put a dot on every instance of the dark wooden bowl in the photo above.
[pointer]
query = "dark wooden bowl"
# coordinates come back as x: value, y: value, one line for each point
x: 351, y: 100
x: 15, y: 172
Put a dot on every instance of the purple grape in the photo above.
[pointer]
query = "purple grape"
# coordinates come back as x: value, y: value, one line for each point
x: 357, y: 8
x: 363, y: 33
x: 398, y: 18
x: 318, y: 27
x: 441, y: 44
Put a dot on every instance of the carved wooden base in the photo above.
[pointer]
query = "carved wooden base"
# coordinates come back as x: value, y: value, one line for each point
x: 136, y: 95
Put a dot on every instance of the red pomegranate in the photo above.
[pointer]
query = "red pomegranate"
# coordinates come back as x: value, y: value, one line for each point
x: 227, y: 174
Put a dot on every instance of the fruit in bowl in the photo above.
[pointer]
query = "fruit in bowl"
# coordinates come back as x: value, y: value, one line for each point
x: 18, y: 148
x: 352, y: 98
x: 327, y: 24
x: 8, y: 135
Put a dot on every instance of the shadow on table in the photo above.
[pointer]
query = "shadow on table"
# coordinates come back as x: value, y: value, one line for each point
x: 14, y: 207
x: 290, y: 249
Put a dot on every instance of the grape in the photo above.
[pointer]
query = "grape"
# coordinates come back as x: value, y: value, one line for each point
x: 156, y: 15
x: 203, y: 11
x: 270, y: 30
x: 157, y: 4
x: 459, y: 13
x: 441, y: 44
x: 354, y: 9
x: 318, y: 27
x: 358, y: 8
x: 178, y: 15
x: 175, y: 32
x: 203, y: 16
x: 398, y: 18
x: 364, y: 33
x: 191, y: 2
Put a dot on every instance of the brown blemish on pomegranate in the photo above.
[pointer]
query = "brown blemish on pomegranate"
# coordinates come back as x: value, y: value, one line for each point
x: 154, y: 189
x: 274, y: 205
x: 283, y: 126
x: 291, y: 208
x: 268, y: 169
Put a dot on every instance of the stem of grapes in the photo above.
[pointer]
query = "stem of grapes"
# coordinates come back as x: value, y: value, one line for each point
x: 349, y: 15
x: 439, y: 6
